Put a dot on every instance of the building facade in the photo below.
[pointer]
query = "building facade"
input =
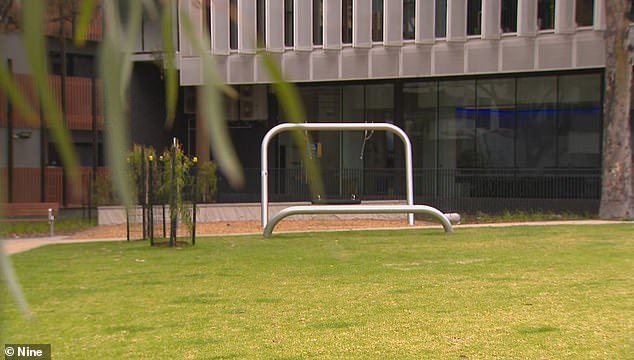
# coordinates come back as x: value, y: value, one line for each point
x: 502, y: 99
x: 30, y: 167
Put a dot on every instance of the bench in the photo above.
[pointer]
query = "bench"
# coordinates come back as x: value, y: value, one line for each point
x: 32, y: 212
x: 445, y: 219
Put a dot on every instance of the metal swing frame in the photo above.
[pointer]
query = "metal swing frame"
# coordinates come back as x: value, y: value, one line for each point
x: 408, y: 209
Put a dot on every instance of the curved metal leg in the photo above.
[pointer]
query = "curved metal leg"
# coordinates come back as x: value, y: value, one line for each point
x: 445, y: 219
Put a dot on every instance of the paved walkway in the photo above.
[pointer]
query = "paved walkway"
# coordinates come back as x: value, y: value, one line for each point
x: 13, y: 246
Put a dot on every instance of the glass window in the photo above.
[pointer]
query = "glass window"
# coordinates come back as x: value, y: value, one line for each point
x: 546, y: 14
x: 584, y: 12
x: 346, y: 21
x: 288, y: 22
x: 579, y: 121
x: 233, y: 24
x: 536, y: 122
x: 474, y: 17
x: 441, y: 18
x: 318, y: 22
x: 456, y: 124
x: 419, y: 121
x: 409, y: 19
x: 377, y: 20
x: 509, y: 16
x: 206, y: 9
x: 261, y: 24
x: 378, y: 153
x: 495, y: 123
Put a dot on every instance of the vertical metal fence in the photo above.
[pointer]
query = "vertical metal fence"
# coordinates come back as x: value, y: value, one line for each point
x: 471, y: 190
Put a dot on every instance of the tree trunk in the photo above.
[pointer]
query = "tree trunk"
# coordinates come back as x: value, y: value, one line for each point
x: 617, y: 199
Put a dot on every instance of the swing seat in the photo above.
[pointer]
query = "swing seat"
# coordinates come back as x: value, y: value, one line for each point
x: 336, y: 200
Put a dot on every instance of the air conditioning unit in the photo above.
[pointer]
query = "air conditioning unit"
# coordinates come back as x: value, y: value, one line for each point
x: 253, y: 103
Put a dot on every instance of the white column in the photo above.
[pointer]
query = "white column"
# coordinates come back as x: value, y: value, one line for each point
x: 456, y: 20
x: 303, y: 25
x: 362, y: 23
x: 565, y: 17
x: 332, y: 24
x: 527, y: 18
x: 219, y: 20
x: 491, y: 12
x: 274, y: 25
x: 599, y: 15
x: 425, y: 21
x: 246, y: 26
x: 392, y: 22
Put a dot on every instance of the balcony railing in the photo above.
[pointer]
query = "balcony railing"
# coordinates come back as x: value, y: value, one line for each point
x: 95, y: 27
x: 27, y: 185
x: 78, y: 102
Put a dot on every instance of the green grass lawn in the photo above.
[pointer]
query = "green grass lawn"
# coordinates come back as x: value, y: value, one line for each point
x: 514, y: 293
x: 41, y: 228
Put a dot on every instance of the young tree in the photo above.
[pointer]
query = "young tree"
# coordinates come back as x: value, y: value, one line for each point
x: 617, y: 193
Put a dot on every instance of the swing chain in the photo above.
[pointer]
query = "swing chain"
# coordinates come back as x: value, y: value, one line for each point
x: 367, y: 135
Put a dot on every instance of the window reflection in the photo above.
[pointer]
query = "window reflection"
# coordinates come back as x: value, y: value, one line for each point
x: 509, y: 16
x: 474, y: 17
x: 546, y: 14
x: 584, y: 12
x: 409, y: 20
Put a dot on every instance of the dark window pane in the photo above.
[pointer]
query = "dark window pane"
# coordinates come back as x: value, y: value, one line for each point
x: 474, y: 17
x: 419, y: 120
x: 377, y: 20
x: 495, y: 123
x: 509, y: 16
x: 584, y: 12
x: 233, y: 24
x: 261, y: 24
x: 546, y: 14
x: 456, y: 124
x: 409, y: 20
x: 288, y: 22
x: 579, y: 121
x: 318, y: 22
x: 206, y: 9
x: 346, y: 21
x: 536, y: 122
x: 441, y: 18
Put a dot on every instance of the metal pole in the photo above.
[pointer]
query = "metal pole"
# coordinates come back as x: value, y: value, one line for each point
x: 409, y: 182
x: 9, y: 141
x: 127, y: 223
x: 194, y: 194
x: 150, y: 201
x: 95, y: 141
x: 42, y: 156
x: 143, y: 193
x: 162, y: 169
x: 173, y: 214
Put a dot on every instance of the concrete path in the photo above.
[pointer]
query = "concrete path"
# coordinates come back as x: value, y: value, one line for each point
x: 13, y: 246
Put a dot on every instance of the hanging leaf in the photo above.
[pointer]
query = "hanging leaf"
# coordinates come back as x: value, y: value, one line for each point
x: 212, y: 107
x: 171, y: 81
x: 33, y: 22
x: 9, y: 87
x: 291, y: 104
x: 112, y: 69
x: 86, y: 11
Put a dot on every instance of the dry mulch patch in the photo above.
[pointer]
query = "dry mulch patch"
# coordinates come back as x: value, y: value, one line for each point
x: 243, y: 227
